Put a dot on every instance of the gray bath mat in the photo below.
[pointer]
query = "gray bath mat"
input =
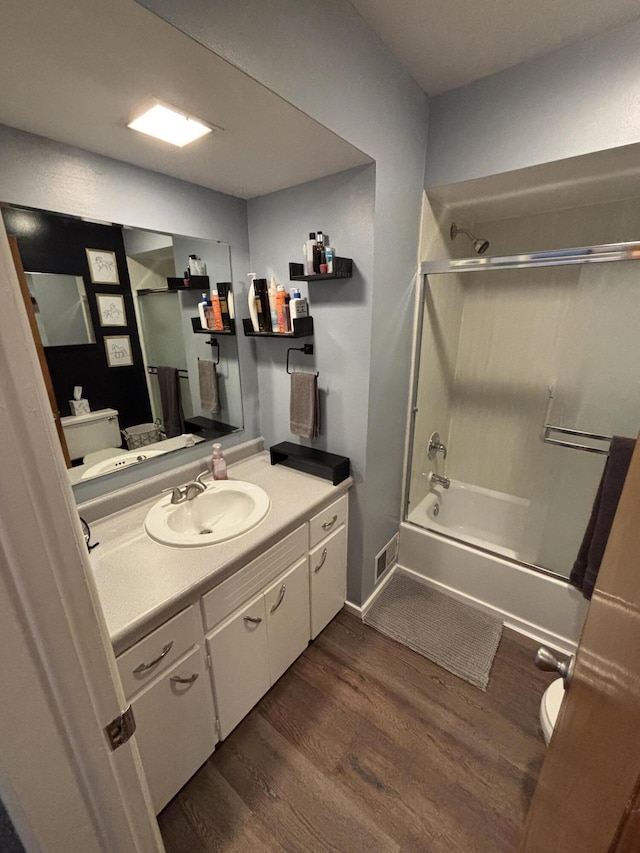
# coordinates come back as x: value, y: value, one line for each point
x: 459, y: 638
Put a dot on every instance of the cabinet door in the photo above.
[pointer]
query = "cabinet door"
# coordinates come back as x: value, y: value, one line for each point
x: 287, y: 607
x: 328, y: 579
x: 175, y: 727
x: 239, y: 663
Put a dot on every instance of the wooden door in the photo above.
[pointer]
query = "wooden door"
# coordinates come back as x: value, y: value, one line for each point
x: 44, y: 367
x: 287, y: 610
x: 587, y: 794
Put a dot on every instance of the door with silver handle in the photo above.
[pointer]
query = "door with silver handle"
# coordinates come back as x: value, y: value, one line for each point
x: 548, y: 662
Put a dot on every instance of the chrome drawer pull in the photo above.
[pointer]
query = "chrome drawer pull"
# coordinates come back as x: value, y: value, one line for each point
x: 329, y: 524
x: 143, y: 667
x: 255, y: 620
x: 283, y: 589
x: 322, y: 561
x: 177, y: 679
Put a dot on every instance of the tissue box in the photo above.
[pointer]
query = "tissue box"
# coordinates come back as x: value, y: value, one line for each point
x: 79, y: 407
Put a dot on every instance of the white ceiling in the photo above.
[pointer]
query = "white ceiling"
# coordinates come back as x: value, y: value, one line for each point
x: 448, y: 43
x: 77, y: 72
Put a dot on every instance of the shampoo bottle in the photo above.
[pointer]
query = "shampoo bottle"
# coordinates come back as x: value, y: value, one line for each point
x: 253, y: 313
x: 224, y: 288
x: 218, y: 464
x: 309, y: 256
x: 273, y: 304
x: 202, y: 306
x: 280, y: 305
x: 217, y: 313
x: 262, y: 305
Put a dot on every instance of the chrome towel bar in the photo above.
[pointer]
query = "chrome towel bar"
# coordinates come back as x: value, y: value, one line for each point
x: 602, y: 451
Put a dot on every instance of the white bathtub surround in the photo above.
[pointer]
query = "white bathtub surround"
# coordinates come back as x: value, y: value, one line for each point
x: 482, y: 517
x: 532, y: 603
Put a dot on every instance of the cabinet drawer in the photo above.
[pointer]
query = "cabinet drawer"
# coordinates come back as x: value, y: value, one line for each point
x: 328, y: 520
x: 245, y: 583
x: 175, y: 727
x: 287, y: 610
x: 328, y: 579
x: 159, y: 649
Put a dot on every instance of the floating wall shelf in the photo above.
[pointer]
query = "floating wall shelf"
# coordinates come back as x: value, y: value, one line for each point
x: 342, y: 268
x: 196, y: 282
x: 302, y: 328
x: 198, y: 330
x: 330, y: 466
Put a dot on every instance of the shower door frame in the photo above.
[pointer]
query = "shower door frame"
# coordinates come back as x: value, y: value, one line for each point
x: 602, y: 253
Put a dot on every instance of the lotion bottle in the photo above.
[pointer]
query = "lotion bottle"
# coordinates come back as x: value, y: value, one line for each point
x: 202, y: 306
x: 218, y: 464
x: 253, y: 311
x: 311, y: 244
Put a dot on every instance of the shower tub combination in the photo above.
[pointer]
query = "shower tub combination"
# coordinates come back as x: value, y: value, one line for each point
x: 477, y: 544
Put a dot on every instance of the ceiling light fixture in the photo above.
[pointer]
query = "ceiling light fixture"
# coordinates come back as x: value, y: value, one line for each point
x: 169, y: 125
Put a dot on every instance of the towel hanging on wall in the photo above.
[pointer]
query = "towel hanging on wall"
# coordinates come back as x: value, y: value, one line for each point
x: 304, y: 411
x: 208, y: 379
x: 172, y: 415
x: 587, y: 565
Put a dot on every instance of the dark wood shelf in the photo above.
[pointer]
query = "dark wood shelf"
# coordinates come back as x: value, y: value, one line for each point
x: 198, y: 330
x: 302, y: 328
x: 196, y: 282
x: 329, y: 466
x: 342, y: 268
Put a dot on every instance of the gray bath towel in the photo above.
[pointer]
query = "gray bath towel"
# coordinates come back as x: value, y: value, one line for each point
x: 305, y: 405
x: 587, y: 565
x: 169, y: 382
x: 208, y: 378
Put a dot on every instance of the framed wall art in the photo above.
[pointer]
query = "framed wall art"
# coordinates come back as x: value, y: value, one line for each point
x: 111, y: 310
x: 103, y: 268
x: 118, y: 349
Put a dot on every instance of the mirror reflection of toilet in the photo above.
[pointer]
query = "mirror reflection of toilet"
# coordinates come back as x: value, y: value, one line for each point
x: 550, y: 707
x: 94, y: 431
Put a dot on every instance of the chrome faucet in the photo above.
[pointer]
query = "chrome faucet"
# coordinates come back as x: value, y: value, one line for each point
x: 180, y: 494
x: 435, y: 446
x: 437, y: 480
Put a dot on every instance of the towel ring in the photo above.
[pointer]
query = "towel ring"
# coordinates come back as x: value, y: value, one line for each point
x: 307, y: 349
x: 214, y: 343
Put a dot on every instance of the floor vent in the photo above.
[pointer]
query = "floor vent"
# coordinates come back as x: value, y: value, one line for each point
x: 387, y: 557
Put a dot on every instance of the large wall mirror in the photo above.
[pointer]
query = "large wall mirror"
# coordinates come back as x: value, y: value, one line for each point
x: 132, y: 371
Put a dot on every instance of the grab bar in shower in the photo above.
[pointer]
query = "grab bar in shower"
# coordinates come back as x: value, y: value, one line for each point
x: 602, y: 451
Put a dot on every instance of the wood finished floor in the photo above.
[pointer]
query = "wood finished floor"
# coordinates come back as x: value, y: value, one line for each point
x: 364, y: 745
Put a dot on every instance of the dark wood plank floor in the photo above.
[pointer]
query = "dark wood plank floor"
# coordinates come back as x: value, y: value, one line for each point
x: 364, y: 745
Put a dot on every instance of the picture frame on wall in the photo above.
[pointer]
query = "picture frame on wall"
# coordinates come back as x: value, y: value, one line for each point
x: 111, y: 309
x: 103, y: 267
x: 118, y: 348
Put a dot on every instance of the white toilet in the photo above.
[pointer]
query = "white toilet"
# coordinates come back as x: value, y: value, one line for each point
x: 550, y: 707
x: 94, y: 431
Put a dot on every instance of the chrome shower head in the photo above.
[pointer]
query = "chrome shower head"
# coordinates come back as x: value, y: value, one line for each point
x: 479, y: 246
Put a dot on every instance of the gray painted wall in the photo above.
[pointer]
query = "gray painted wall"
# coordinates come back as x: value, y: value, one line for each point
x: 37, y: 172
x: 323, y: 59
x: 343, y: 207
x: 580, y: 99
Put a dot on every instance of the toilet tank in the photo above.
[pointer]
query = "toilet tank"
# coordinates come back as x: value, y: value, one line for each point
x: 94, y: 431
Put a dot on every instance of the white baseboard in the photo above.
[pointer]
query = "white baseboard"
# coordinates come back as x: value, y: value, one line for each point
x: 359, y: 610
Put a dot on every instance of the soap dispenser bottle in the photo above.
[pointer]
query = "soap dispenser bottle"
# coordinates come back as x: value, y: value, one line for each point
x: 218, y: 464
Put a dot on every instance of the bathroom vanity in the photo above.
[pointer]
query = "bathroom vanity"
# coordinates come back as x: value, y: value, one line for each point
x: 201, y: 633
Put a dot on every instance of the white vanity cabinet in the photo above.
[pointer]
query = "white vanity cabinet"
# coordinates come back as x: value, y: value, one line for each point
x: 165, y: 680
x: 327, y: 564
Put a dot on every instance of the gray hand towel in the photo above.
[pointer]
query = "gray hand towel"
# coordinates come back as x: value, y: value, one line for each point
x: 305, y: 405
x: 585, y: 569
x: 208, y: 378
x: 169, y: 382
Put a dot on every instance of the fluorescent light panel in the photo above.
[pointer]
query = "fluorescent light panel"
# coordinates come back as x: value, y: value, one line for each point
x: 169, y: 125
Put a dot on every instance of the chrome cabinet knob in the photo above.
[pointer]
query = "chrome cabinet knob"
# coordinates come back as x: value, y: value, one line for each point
x: 548, y: 662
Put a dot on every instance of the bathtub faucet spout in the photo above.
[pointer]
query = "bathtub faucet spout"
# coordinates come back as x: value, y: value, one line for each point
x: 437, y: 480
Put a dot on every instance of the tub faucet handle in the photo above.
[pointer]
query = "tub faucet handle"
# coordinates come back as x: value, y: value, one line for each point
x: 435, y: 446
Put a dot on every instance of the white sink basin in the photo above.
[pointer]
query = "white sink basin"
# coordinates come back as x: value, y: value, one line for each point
x: 227, y: 508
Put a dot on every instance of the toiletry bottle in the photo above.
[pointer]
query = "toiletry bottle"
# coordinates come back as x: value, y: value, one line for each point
x: 217, y: 313
x: 218, y: 464
x: 297, y: 305
x: 200, y: 267
x: 273, y: 306
x: 310, y: 244
x: 262, y: 305
x: 223, y: 288
x: 202, y: 305
x: 185, y: 278
x: 329, y: 255
x: 230, y: 302
x: 318, y: 253
x: 253, y: 313
x: 280, y: 304
x: 192, y: 265
x: 286, y: 313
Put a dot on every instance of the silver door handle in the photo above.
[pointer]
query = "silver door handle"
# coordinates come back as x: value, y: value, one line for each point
x: 143, y: 667
x: 328, y: 524
x: 547, y: 661
x: 322, y: 561
x: 283, y: 589
x: 254, y: 620
x: 178, y: 679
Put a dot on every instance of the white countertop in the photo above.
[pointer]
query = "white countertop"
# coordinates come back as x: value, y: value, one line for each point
x: 141, y: 583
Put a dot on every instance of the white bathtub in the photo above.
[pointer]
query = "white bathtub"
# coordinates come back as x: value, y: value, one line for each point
x: 482, y: 517
x: 536, y: 604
